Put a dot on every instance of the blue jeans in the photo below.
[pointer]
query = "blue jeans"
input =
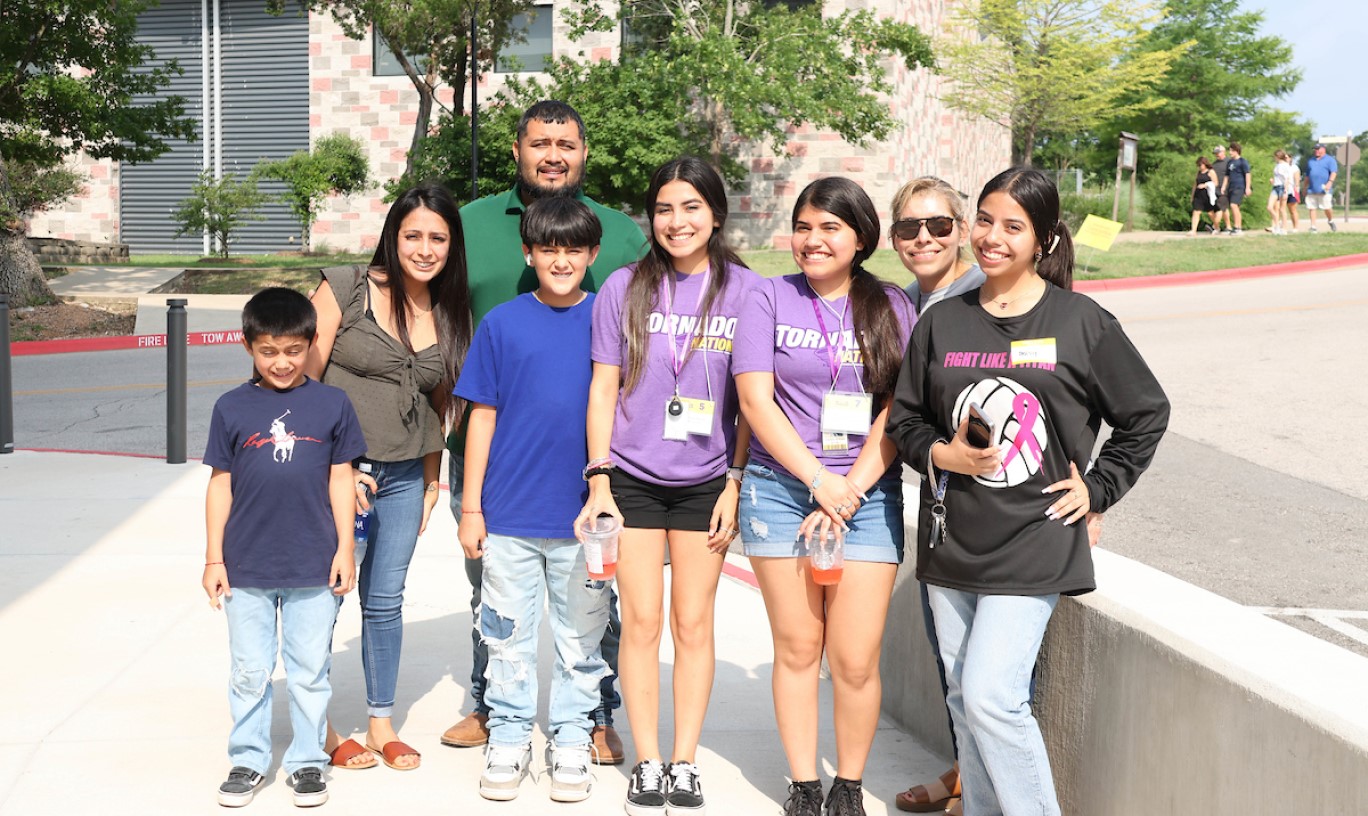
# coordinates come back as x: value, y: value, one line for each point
x: 609, y: 699
x: 989, y: 644
x: 396, y: 514
x: 518, y: 574
x: 306, y: 622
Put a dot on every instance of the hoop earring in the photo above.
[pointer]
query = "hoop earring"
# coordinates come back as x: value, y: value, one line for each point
x: 1038, y: 256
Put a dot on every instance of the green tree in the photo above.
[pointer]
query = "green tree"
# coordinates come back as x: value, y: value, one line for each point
x: 69, y: 73
x: 731, y: 68
x: 38, y: 187
x: 336, y: 166
x: 219, y: 207
x: 1054, y: 68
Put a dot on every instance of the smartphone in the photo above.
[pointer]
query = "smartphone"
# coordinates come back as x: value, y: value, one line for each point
x: 979, y: 432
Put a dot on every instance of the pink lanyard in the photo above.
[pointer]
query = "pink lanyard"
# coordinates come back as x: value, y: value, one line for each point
x: 678, y: 354
x: 833, y: 352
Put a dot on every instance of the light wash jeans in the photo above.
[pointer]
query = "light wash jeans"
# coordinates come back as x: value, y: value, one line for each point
x: 306, y: 622
x: 609, y: 699
x: 518, y: 574
x: 989, y: 645
x: 396, y: 514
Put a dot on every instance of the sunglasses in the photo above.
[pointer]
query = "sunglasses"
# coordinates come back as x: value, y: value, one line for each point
x: 939, y: 226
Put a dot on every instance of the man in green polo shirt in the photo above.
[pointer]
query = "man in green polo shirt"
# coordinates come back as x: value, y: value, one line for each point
x: 550, y: 151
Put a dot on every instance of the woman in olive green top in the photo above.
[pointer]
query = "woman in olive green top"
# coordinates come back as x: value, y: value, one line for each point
x: 393, y: 337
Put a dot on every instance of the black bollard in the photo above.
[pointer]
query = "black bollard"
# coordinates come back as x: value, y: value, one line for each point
x: 6, y: 381
x: 175, y: 381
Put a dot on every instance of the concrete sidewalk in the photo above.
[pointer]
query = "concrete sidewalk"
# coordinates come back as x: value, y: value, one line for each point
x: 117, y: 669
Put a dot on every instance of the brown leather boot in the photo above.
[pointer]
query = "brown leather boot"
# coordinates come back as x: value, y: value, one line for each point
x: 607, y: 746
x: 469, y: 732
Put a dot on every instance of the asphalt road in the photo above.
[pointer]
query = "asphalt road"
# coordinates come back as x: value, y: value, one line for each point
x: 1259, y: 492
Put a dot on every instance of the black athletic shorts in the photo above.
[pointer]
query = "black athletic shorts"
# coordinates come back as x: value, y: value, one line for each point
x: 1237, y: 195
x: 657, y: 507
x: 1222, y: 203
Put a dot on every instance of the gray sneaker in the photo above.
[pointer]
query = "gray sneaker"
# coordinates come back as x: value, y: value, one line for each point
x: 570, y: 776
x: 504, y: 770
x: 1333, y: 228
x: 309, y: 788
x: 240, y: 786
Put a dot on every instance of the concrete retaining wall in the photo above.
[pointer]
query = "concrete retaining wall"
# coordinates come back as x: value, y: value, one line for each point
x: 1159, y: 697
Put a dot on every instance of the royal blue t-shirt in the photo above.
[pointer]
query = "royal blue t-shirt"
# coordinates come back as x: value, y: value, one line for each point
x: 530, y: 362
x: 279, y: 447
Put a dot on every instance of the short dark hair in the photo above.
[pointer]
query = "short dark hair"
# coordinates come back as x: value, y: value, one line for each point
x: 1235, y: 147
x: 279, y: 312
x: 551, y: 111
x: 560, y: 222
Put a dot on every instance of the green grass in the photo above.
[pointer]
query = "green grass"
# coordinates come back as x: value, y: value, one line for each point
x: 287, y: 261
x: 771, y: 262
x: 249, y: 281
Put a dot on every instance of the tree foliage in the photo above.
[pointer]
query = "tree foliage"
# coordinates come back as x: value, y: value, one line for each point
x: 36, y: 187
x: 219, y: 207
x: 336, y: 165
x: 69, y: 74
x: 1054, y: 68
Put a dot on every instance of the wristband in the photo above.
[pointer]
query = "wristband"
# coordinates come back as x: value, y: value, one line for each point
x: 472, y: 512
x: 213, y: 563
x: 736, y: 474
x: 601, y: 470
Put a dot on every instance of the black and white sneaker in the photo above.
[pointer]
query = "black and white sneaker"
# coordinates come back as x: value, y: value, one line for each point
x: 240, y: 786
x: 309, y: 788
x: 683, y: 790
x: 646, y: 789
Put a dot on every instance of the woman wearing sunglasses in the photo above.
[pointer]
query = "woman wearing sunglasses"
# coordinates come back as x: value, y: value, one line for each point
x: 931, y: 237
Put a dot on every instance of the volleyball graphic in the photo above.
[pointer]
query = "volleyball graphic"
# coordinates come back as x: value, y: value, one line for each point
x: 1019, y: 421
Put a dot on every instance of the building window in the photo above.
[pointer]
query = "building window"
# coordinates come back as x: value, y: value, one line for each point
x: 532, y: 54
x: 383, y: 61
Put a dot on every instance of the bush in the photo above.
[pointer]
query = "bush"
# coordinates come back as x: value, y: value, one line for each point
x: 337, y: 164
x: 219, y: 207
x: 37, y: 187
x: 1168, y: 192
x: 1075, y: 207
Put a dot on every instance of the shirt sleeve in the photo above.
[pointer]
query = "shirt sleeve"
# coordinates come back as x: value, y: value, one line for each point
x: 349, y: 442
x: 905, y: 312
x: 911, y: 422
x: 1130, y: 400
x: 479, y: 377
x: 606, y: 345
x: 219, y: 451
x: 754, y: 350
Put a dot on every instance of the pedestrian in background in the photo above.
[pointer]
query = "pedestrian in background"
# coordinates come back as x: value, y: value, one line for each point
x: 1321, y: 171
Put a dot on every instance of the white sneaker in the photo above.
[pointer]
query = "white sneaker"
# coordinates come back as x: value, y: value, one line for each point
x: 570, y: 775
x: 504, y: 770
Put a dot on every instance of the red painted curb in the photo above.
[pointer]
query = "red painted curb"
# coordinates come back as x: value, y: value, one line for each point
x: 104, y: 453
x: 127, y: 341
x: 1218, y: 275
x: 745, y: 576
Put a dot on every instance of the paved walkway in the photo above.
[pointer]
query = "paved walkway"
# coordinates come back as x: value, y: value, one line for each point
x: 116, y: 668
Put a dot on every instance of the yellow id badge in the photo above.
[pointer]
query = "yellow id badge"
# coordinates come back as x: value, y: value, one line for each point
x: 835, y: 442
x: 846, y: 413
x: 1038, y: 352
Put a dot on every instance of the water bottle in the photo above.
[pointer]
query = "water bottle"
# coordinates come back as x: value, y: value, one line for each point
x: 363, y: 519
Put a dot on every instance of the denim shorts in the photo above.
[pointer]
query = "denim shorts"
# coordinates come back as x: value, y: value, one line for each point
x: 774, y: 504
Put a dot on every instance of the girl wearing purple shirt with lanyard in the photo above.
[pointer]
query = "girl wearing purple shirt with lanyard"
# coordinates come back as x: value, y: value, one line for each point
x: 816, y: 360
x: 666, y: 452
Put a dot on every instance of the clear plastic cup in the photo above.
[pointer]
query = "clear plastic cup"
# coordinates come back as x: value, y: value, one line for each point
x: 826, y: 556
x: 600, y: 538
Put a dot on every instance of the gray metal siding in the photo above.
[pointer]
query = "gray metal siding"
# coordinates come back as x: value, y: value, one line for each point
x: 265, y: 80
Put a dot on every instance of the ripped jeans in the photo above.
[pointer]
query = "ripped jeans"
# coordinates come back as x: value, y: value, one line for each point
x: 306, y: 624
x: 518, y: 574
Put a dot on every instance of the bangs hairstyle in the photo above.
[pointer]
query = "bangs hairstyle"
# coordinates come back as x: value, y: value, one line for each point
x: 279, y: 312
x: 449, y: 289
x: 952, y: 198
x: 552, y: 112
x: 1037, y: 194
x: 560, y: 222
x: 873, y: 320
x: 643, y: 291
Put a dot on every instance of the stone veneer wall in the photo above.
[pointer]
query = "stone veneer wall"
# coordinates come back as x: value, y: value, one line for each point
x: 345, y: 96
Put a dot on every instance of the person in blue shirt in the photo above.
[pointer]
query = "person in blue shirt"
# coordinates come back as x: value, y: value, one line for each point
x: 1236, y: 185
x: 1320, y: 177
x: 527, y: 380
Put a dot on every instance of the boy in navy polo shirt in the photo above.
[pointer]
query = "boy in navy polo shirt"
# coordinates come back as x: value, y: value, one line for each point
x: 279, y: 516
x: 527, y: 379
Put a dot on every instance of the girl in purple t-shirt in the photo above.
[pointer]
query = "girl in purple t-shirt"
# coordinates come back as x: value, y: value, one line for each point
x: 817, y: 356
x: 666, y: 452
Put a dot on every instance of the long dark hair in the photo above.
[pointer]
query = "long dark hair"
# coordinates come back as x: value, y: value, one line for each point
x: 874, y: 323
x: 449, y: 289
x: 643, y: 293
x: 1039, y: 197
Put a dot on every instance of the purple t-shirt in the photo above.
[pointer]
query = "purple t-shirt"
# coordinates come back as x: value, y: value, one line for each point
x: 638, y: 444
x: 780, y: 333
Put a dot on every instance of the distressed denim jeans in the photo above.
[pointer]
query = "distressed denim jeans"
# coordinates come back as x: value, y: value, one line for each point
x: 306, y: 624
x: 989, y: 645
x: 518, y: 574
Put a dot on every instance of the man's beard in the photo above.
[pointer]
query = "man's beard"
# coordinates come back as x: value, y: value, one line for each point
x: 532, y: 192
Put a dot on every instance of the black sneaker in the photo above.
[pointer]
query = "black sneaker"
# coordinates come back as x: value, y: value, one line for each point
x: 646, y: 789
x: 240, y: 786
x: 805, y: 799
x: 309, y: 788
x: 684, y: 792
x: 846, y: 798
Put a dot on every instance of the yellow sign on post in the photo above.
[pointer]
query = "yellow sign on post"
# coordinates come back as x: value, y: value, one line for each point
x: 1098, y: 233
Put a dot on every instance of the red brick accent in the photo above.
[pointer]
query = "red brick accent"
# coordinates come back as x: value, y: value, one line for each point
x: 379, y: 134
x: 351, y: 215
x: 796, y: 149
x: 743, y: 204
x: 783, y: 241
x: 321, y: 84
x: 315, y: 120
x: 601, y: 53
x: 762, y: 165
x: 322, y: 228
x: 785, y: 188
x: 361, y: 62
x: 852, y: 164
x: 408, y: 117
x: 389, y: 97
x: 315, y: 49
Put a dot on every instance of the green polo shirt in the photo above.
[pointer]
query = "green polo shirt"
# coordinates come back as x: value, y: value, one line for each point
x: 498, y: 272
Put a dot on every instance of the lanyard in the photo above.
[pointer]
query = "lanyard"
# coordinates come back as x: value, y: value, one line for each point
x: 679, y: 354
x: 833, y: 352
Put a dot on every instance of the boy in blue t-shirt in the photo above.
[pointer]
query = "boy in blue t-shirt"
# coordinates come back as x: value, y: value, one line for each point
x: 527, y: 379
x: 279, y: 515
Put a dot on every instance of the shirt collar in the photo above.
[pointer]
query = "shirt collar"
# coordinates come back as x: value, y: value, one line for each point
x: 513, y: 204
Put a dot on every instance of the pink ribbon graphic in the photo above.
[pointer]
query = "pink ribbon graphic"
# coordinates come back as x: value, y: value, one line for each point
x: 1026, y: 408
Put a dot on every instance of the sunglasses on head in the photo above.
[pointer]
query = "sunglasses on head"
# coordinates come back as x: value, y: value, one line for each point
x: 939, y: 226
